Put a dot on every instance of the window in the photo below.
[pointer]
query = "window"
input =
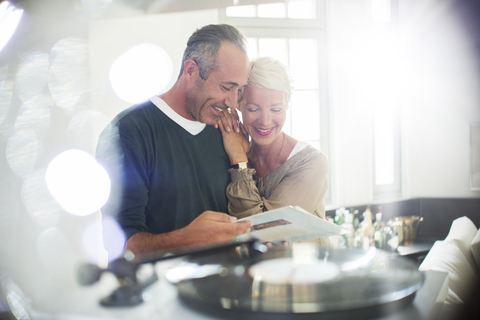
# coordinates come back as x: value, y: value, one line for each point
x: 293, y: 33
x: 387, y: 157
x: 386, y: 79
x: 292, y: 9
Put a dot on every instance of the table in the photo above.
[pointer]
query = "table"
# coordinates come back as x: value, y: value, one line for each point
x: 417, y: 250
x: 82, y: 303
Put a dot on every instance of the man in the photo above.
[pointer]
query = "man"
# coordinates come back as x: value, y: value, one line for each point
x: 167, y: 163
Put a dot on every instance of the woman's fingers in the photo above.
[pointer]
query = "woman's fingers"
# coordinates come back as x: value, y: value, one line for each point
x: 230, y: 121
x: 219, y: 124
x: 226, y: 121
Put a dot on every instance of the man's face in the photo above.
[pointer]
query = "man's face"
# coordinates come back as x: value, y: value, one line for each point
x: 206, y: 99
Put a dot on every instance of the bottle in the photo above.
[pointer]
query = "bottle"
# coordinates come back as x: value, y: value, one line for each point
x: 368, y: 230
x: 391, y: 237
x: 351, y: 215
x: 379, y: 225
x: 356, y: 220
x: 357, y: 237
x: 348, y: 224
x: 339, y: 216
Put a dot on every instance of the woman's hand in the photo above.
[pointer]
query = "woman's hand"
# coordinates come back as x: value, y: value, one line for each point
x: 235, y: 142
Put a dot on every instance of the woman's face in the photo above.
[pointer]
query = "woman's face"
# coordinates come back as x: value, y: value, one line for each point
x: 263, y: 114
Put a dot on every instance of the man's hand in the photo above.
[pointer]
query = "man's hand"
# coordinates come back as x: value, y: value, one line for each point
x: 214, y: 228
x: 209, y: 228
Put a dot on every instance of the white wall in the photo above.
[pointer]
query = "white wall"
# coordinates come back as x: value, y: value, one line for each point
x: 109, y: 38
x: 443, y: 99
x: 438, y: 100
x: 40, y: 243
x: 351, y: 117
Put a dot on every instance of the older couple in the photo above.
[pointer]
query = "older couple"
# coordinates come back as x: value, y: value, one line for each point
x: 169, y: 170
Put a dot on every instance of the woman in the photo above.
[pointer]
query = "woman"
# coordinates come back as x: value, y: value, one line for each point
x: 273, y: 170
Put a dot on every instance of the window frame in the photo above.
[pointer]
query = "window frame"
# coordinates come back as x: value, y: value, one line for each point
x: 394, y: 189
x: 317, y: 28
x: 290, y: 23
x: 289, y: 28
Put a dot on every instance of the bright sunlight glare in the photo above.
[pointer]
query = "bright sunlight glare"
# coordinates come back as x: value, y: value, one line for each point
x: 78, y: 182
x: 141, y: 72
x: 9, y: 18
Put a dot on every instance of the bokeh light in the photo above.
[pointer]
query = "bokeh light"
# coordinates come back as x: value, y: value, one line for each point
x: 17, y: 302
x: 6, y: 91
x: 68, y: 72
x: 34, y: 114
x: 22, y: 151
x: 32, y: 75
x: 141, y: 72
x: 114, y: 239
x: 92, y: 244
x: 9, y: 18
x: 78, y: 182
x: 91, y: 9
x: 85, y: 128
x: 39, y: 203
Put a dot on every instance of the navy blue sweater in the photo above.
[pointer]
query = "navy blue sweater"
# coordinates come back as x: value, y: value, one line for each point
x: 162, y: 176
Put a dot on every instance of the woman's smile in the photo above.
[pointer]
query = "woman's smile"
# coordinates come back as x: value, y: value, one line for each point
x: 263, y: 132
x: 263, y: 113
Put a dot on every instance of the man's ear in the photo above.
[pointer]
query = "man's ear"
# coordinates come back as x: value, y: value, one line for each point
x: 190, y: 68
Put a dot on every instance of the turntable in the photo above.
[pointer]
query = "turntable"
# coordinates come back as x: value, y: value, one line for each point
x: 302, y: 280
x: 250, y: 281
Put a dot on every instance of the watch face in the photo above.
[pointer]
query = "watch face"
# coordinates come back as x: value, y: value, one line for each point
x: 242, y: 165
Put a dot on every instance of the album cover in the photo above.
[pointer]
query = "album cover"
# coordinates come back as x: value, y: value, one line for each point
x: 289, y: 224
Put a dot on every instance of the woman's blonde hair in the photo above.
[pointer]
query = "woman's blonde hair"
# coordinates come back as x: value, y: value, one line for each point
x: 269, y: 73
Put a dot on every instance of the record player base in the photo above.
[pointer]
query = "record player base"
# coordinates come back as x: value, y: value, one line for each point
x: 165, y: 304
x: 425, y: 304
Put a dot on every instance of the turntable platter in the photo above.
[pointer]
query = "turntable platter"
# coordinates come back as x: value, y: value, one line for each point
x: 299, y: 279
x: 286, y: 271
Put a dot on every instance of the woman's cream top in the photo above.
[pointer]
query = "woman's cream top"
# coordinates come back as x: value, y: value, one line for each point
x: 299, y: 181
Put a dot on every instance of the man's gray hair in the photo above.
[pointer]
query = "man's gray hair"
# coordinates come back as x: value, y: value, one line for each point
x: 269, y: 73
x: 204, y: 44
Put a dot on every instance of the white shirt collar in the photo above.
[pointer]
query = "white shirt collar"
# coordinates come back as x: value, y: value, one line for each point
x: 193, y: 127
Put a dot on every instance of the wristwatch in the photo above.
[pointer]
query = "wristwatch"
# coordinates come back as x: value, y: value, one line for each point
x: 241, y: 165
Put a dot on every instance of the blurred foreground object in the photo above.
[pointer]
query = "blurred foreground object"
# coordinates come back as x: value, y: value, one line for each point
x: 9, y: 18
x: 303, y: 278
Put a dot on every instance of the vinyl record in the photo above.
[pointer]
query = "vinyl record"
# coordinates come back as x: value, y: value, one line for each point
x: 300, y: 279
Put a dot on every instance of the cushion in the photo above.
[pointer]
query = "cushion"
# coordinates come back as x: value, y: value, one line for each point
x: 446, y: 256
x: 452, y: 298
x: 463, y: 230
x: 475, y: 248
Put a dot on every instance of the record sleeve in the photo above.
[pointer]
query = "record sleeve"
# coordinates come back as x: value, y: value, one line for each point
x: 290, y: 224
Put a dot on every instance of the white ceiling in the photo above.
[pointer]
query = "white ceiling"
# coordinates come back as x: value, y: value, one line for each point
x: 162, y: 6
